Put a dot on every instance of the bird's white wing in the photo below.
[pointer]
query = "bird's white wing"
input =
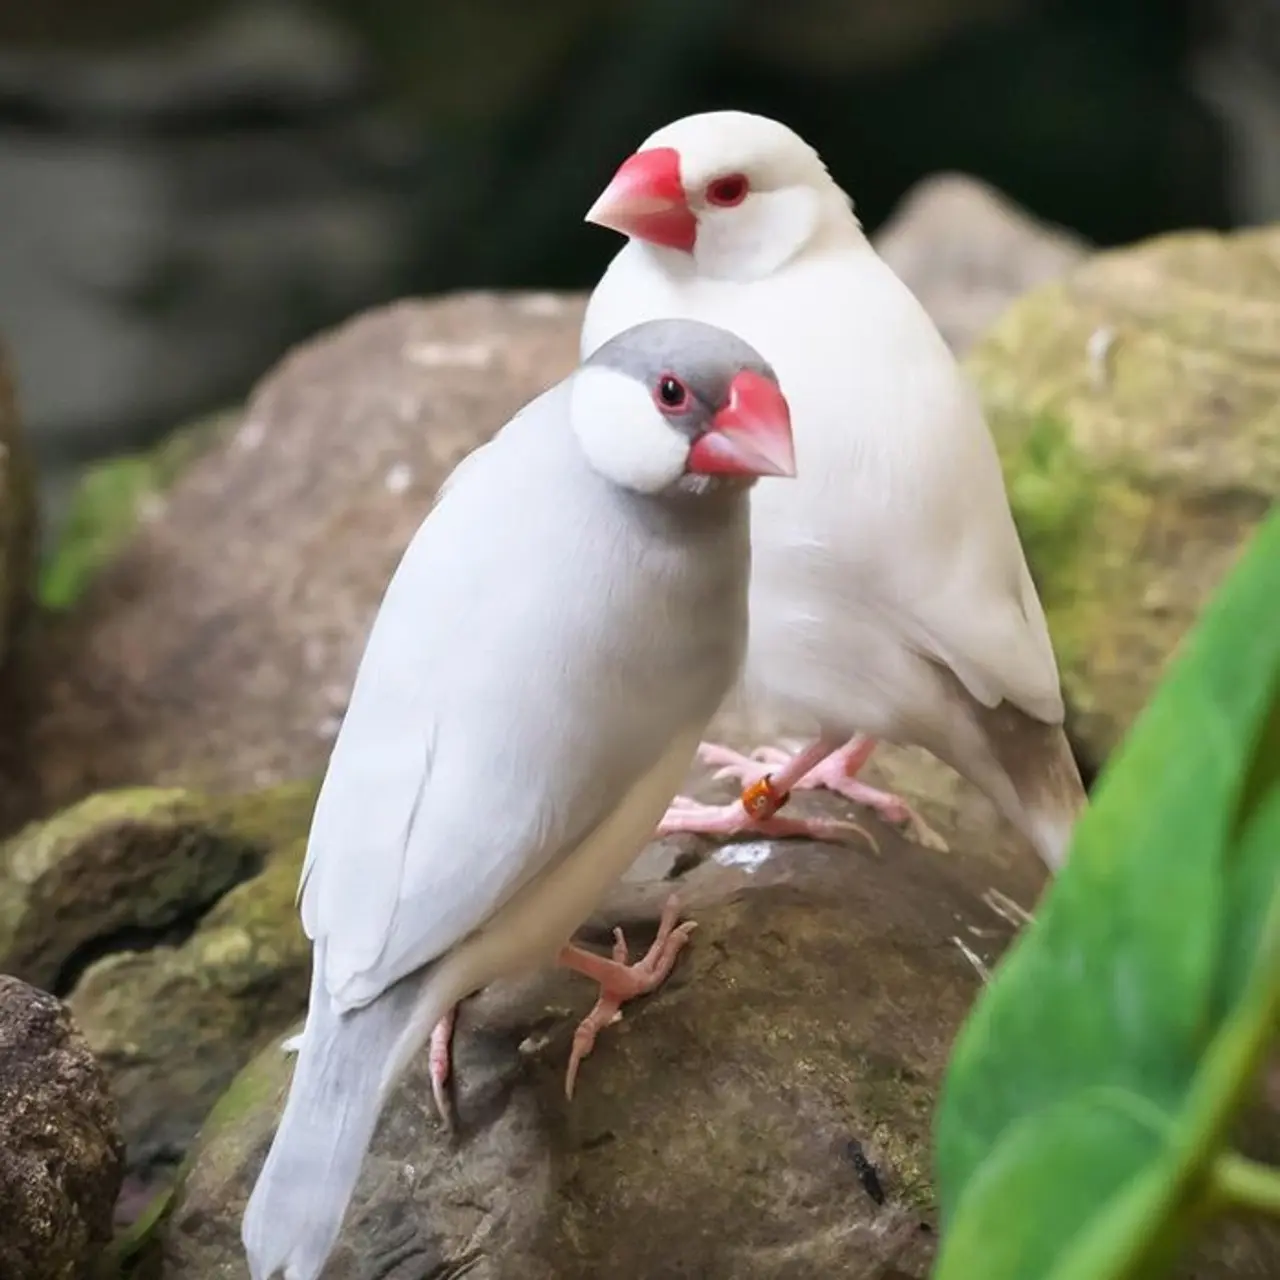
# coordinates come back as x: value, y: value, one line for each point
x: 484, y: 737
x: 978, y: 612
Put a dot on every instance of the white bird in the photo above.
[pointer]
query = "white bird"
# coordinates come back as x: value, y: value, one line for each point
x: 890, y: 598
x: 553, y: 643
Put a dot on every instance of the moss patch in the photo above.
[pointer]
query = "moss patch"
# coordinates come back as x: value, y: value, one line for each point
x: 110, y: 500
x: 1136, y: 408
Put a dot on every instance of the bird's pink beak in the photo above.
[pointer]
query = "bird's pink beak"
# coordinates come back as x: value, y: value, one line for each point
x: 646, y: 200
x: 750, y: 436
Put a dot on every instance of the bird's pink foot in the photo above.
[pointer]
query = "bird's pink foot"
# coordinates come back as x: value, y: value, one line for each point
x: 621, y: 981
x: 835, y: 772
x: 686, y: 815
x: 440, y: 1061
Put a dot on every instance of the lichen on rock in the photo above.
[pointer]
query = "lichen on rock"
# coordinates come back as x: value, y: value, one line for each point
x: 174, y: 1023
x: 123, y: 868
x: 1136, y: 405
x: 110, y: 500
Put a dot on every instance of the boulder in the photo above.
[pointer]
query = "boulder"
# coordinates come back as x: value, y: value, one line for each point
x: 967, y: 251
x: 1134, y: 403
x: 61, y: 1156
x: 128, y: 901
x: 217, y: 648
x: 766, y: 1114
x: 124, y: 869
x: 173, y: 1023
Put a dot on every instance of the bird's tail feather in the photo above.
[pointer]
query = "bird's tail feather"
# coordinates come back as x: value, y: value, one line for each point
x: 1024, y: 765
x: 347, y: 1064
x: 1042, y: 794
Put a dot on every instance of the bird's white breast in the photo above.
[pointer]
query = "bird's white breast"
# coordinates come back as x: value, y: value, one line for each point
x: 898, y: 503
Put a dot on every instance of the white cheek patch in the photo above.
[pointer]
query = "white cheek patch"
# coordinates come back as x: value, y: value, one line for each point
x: 756, y: 238
x: 624, y: 436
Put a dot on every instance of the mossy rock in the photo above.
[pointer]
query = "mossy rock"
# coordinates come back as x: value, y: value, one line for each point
x: 767, y: 1114
x: 110, y: 500
x: 125, y: 868
x: 1136, y: 405
x: 174, y: 1023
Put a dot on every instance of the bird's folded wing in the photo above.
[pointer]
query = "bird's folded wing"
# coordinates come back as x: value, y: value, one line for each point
x: 977, y: 610
x: 437, y: 804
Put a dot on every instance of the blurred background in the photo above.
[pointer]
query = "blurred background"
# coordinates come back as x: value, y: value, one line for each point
x: 187, y: 187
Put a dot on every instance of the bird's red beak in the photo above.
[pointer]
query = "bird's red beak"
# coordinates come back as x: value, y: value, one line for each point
x: 750, y: 436
x: 646, y: 200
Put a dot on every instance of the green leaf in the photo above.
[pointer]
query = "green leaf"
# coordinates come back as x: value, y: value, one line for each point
x: 1150, y: 978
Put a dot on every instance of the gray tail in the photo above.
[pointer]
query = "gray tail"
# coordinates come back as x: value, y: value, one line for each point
x: 1027, y: 769
x: 346, y: 1066
x: 1047, y: 793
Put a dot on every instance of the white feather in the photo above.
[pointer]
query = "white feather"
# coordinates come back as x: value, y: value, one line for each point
x: 531, y: 694
x: 895, y: 543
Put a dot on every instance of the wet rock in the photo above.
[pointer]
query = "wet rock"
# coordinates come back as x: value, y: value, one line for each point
x: 1134, y: 403
x: 60, y: 1151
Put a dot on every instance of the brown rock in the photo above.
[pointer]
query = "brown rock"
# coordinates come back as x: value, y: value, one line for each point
x: 218, y: 649
x: 767, y: 1114
x: 61, y: 1156
x: 967, y: 252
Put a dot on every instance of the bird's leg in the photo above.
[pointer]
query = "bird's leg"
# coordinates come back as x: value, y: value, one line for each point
x: 621, y: 981
x: 754, y: 812
x: 835, y: 770
x: 440, y: 1062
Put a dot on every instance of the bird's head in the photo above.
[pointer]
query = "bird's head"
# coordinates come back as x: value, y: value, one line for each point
x: 741, y: 194
x: 681, y: 407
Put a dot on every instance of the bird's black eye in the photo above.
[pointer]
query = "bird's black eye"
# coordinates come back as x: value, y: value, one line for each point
x: 727, y: 191
x: 671, y: 393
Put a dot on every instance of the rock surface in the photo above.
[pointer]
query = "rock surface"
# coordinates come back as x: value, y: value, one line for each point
x: 60, y: 1151
x: 767, y: 1114
x: 718, y: 1131
x: 115, y: 870
x: 218, y: 648
x: 1136, y: 403
x: 173, y: 1023
x: 967, y: 252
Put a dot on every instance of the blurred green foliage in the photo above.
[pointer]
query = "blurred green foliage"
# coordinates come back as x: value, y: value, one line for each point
x: 1083, y: 1125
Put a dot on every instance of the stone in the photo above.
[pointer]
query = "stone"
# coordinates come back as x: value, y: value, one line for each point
x: 61, y: 1155
x: 217, y: 648
x: 766, y: 1114
x: 126, y: 868
x: 967, y: 252
x: 1136, y: 405
x: 173, y: 1023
